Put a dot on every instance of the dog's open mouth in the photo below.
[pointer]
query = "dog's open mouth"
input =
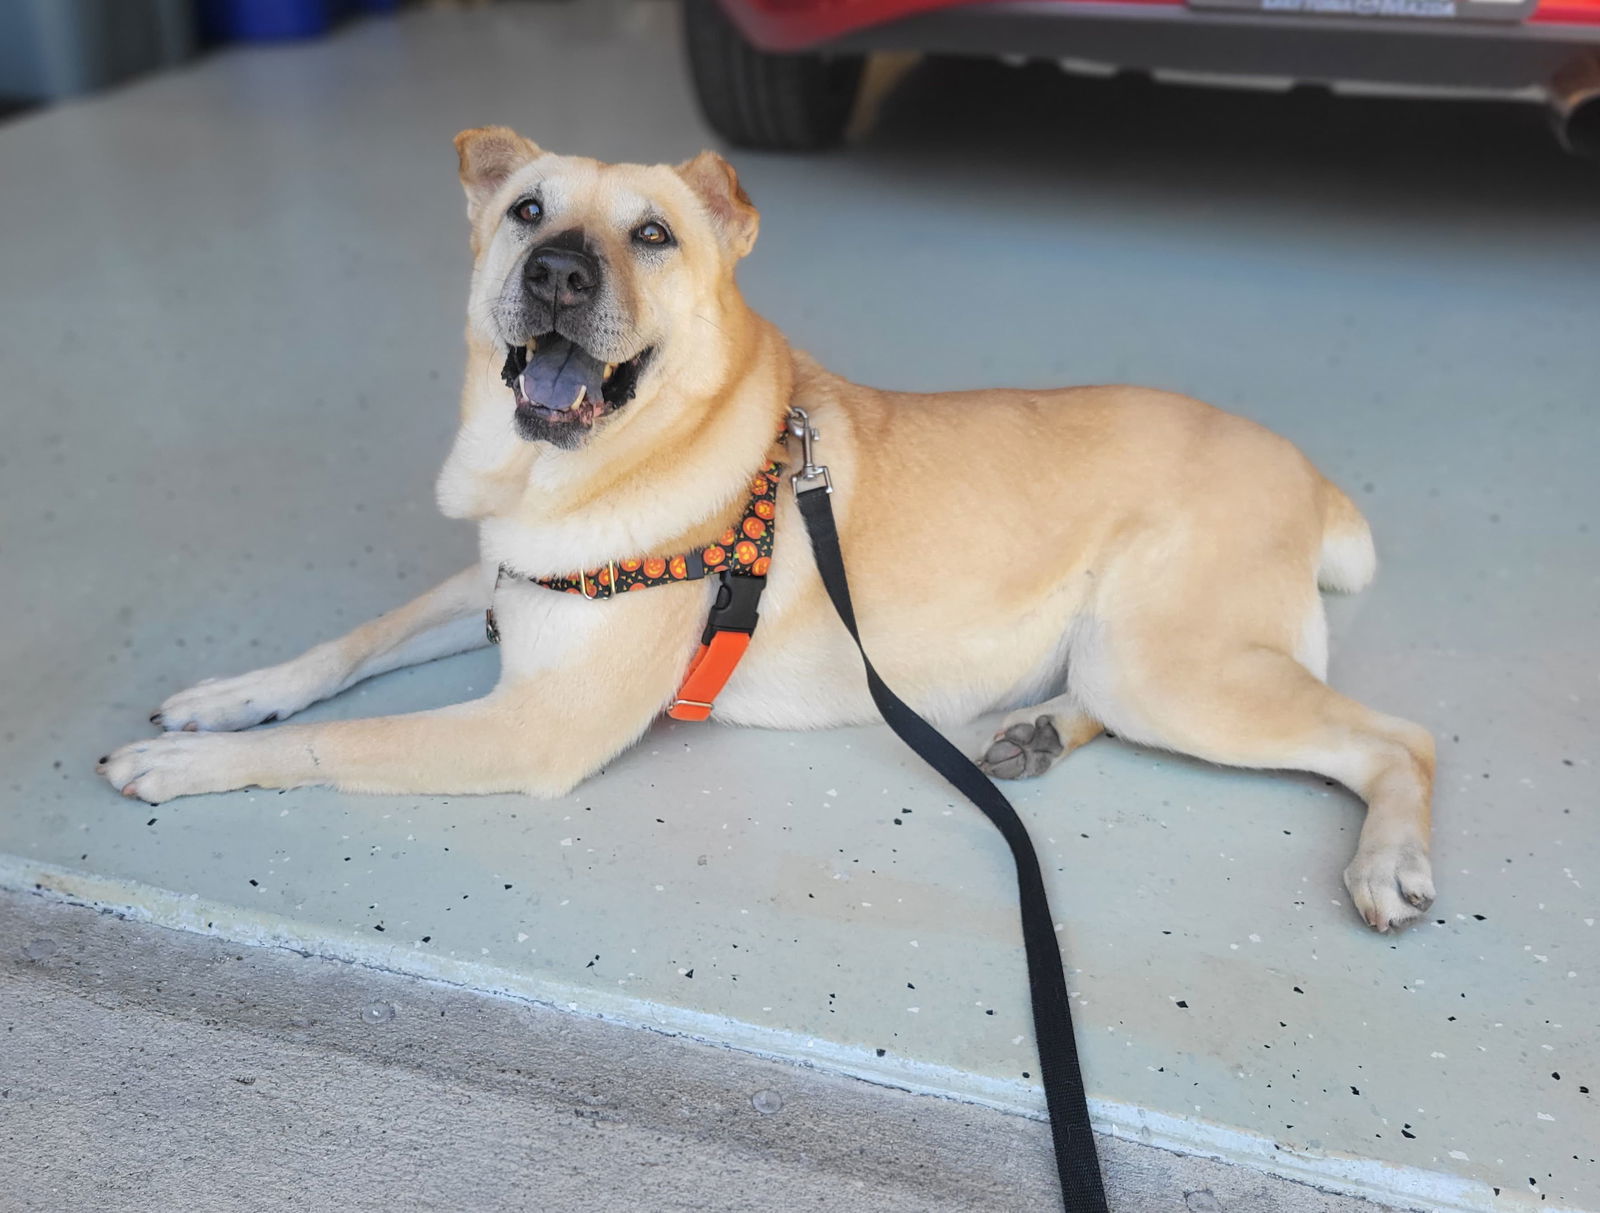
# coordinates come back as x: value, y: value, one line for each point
x: 558, y: 383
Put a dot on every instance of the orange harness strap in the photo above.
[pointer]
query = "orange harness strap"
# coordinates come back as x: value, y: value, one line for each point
x: 733, y: 621
x: 708, y: 673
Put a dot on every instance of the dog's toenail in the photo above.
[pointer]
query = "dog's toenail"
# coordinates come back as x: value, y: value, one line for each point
x: 103, y: 759
x: 192, y: 727
x: 155, y: 717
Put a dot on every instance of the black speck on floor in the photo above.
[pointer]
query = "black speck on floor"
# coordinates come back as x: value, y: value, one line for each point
x: 1355, y: 1091
x: 255, y: 884
x: 1298, y: 990
x: 151, y: 822
x: 690, y: 973
x: 377, y: 926
x: 880, y: 1052
x: 1183, y: 1004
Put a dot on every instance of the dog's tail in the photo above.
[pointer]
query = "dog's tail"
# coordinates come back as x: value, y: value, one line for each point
x: 1348, y: 560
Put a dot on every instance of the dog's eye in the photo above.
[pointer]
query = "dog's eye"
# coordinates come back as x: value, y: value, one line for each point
x: 652, y: 233
x: 528, y: 210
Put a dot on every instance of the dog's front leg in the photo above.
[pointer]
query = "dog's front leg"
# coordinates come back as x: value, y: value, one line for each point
x: 447, y: 619
x: 580, y: 681
x: 513, y: 740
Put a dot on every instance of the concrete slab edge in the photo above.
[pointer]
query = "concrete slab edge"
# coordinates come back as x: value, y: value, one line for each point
x: 1385, y: 1183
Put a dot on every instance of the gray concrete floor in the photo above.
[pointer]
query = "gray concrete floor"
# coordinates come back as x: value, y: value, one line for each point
x: 230, y: 307
x: 149, y: 1071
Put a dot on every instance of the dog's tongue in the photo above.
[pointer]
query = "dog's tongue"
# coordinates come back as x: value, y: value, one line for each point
x: 561, y: 374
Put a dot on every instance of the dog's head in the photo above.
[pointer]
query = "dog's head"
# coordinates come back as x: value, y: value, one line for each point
x: 598, y: 282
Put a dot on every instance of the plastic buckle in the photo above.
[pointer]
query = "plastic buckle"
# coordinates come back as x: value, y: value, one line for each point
x: 735, y: 607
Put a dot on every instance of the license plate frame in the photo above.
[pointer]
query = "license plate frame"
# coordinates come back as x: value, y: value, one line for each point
x: 1492, y: 12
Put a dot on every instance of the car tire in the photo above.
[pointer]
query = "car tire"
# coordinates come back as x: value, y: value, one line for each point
x: 786, y: 103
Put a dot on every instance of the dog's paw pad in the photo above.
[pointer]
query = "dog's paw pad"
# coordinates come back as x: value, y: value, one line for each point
x: 1004, y: 760
x: 1025, y: 749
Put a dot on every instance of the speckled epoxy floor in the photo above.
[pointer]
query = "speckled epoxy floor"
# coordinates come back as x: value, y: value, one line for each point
x: 229, y: 324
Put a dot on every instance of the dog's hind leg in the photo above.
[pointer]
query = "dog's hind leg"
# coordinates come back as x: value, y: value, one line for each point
x: 447, y: 619
x: 1245, y: 705
x: 1032, y: 740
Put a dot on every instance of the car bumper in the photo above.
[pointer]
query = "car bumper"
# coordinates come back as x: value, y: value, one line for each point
x: 1167, y: 35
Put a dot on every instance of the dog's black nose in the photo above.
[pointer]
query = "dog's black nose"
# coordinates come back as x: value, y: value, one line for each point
x: 564, y: 277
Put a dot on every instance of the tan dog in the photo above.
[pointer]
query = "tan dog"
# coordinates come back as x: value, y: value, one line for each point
x: 1164, y: 585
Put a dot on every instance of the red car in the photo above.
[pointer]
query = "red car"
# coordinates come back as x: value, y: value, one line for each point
x: 784, y: 74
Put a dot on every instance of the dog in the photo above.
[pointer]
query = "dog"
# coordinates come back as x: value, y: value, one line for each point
x: 1085, y: 559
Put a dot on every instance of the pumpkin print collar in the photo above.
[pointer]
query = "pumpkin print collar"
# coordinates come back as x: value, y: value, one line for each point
x: 744, y: 549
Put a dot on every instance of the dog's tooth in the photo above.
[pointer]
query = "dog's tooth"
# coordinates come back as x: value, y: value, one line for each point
x: 578, y: 399
x: 611, y: 369
x: 533, y: 344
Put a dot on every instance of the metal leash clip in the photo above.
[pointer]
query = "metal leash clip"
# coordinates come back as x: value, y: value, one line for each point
x: 800, y: 426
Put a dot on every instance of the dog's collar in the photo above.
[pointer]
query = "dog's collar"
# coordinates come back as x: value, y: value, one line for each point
x: 741, y: 555
x: 744, y: 549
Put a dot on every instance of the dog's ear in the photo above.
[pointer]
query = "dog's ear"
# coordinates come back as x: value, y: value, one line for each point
x: 717, y: 186
x: 490, y: 154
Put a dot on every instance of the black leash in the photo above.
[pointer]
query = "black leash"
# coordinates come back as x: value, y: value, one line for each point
x: 1077, y: 1162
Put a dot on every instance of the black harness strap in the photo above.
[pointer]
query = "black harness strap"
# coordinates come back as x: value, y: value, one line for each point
x: 1077, y: 1162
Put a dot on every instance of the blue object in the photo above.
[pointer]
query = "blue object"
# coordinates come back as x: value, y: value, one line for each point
x: 280, y: 20
x: 265, y: 20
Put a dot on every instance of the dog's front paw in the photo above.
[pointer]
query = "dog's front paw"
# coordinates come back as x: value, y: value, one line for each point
x: 220, y: 705
x: 1391, y: 885
x: 176, y: 764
